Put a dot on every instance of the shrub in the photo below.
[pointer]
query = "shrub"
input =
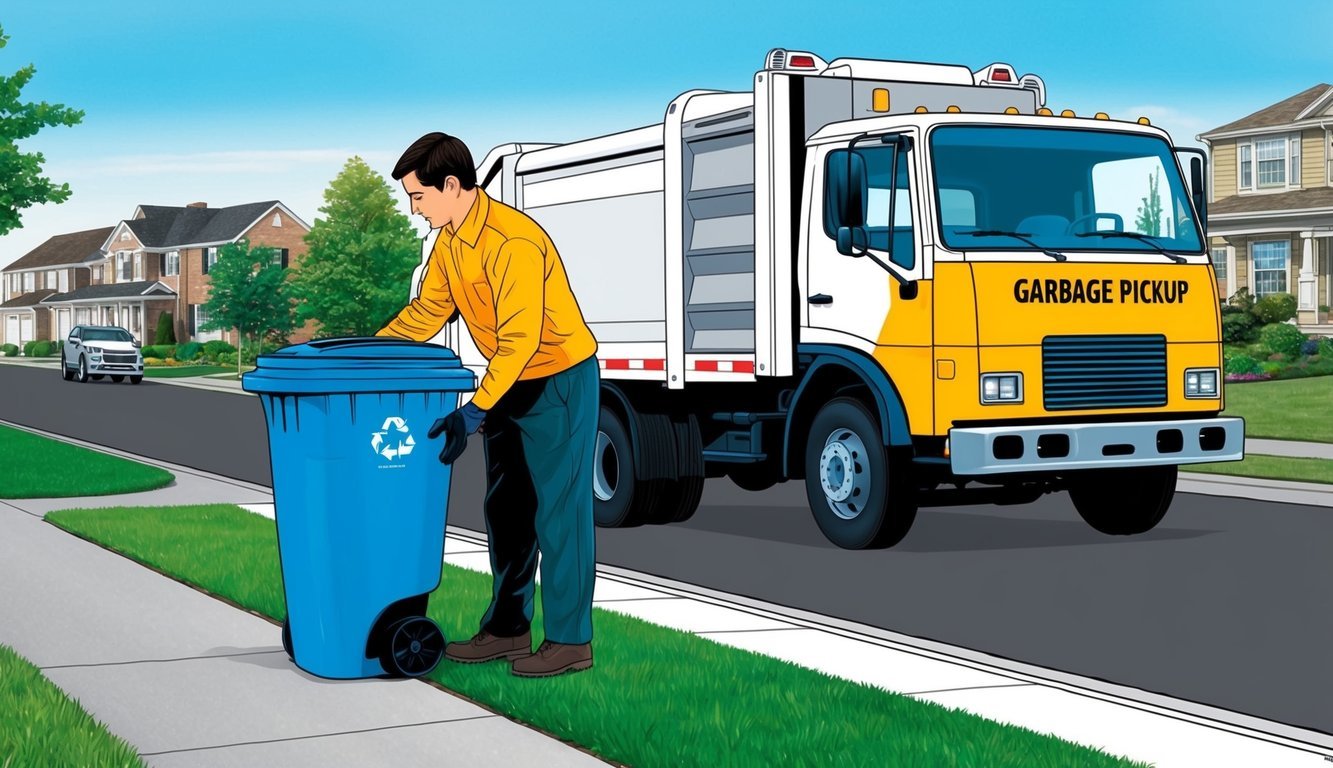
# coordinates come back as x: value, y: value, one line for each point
x: 188, y: 351
x: 226, y: 358
x: 1282, y: 338
x: 41, y: 348
x: 1270, y: 368
x: 10, y: 350
x: 216, y: 347
x: 1275, y: 308
x: 166, y: 330
x: 1242, y: 364
x: 1238, y: 327
x: 159, y: 351
x: 1323, y: 307
x: 1326, y: 347
x: 1310, y: 347
x: 27, y: 348
x: 1278, y: 357
x: 1242, y: 300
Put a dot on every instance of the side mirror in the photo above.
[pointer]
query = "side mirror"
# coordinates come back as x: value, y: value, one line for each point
x: 1197, y: 187
x: 852, y: 241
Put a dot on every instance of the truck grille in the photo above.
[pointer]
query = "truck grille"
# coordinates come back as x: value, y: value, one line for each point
x: 1085, y: 372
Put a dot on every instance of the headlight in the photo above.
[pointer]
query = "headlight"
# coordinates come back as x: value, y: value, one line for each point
x: 1201, y: 382
x: 1001, y: 388
x: 94, y: 350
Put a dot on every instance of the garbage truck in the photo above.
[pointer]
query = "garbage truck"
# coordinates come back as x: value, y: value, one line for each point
x: 904, y: 284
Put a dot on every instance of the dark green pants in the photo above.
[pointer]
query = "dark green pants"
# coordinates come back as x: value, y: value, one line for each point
x: 539, y: 442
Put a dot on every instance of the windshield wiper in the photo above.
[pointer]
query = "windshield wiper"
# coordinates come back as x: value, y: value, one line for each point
x: 1018, y: 236
x: 1147, y: 239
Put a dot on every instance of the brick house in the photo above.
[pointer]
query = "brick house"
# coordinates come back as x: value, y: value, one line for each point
x: 1270, y: 213
x: 62, y: 264
x: 158, y: 261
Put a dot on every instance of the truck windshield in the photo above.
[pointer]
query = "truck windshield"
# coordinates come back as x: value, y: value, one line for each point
x: 1061, y: 189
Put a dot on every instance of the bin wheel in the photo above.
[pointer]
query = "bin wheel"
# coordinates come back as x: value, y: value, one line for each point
x: 287, y: 639
x: 416, y: 645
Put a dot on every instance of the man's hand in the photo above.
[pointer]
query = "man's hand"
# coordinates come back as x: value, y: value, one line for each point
x: 456, y: 426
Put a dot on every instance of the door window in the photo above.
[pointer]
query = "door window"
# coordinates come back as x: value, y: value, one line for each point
x: 871, y: 167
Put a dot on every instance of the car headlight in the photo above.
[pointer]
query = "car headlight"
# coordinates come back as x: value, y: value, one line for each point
x: 1201, y: 382
x: 1001, y: 388
x: 94, y: 350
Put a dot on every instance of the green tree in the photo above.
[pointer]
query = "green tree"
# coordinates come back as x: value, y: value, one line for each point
x: 251, y: 293
x: 354, y: 277
x: 1149, y: 221
x: 22, y: 184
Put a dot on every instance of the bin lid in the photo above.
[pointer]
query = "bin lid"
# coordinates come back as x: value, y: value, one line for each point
x: 359, y: 364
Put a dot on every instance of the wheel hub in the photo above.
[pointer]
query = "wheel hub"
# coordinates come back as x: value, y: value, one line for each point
x: 843, y: 475
x: 606, y: 468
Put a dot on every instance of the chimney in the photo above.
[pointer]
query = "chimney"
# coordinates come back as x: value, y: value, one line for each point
x: 197, y: 205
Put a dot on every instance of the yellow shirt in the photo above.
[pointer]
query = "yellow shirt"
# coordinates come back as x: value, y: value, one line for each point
x: 506, y: 279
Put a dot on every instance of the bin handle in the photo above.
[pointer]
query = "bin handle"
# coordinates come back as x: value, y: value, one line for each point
x: 360, y: 341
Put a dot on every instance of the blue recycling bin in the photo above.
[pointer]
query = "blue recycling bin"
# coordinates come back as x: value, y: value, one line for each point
x: 361, y: 498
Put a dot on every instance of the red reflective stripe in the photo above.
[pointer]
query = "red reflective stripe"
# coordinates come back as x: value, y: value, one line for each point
x: 705, y: 365
x: 743, y: 366
x: 654, y: 365
x: 617, y: 365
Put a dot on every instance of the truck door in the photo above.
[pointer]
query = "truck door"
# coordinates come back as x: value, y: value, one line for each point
x: 851, y: 295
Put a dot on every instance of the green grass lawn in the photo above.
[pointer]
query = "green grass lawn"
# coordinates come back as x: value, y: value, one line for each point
x: 1272, y: 467
x: 656, y: 697
x: 182, y: 371
x: 41, y: 726
x: 1294, y: 409
x: 39, y: 467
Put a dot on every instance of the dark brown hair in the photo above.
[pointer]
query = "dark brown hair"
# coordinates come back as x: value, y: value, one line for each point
x: 435, y: 157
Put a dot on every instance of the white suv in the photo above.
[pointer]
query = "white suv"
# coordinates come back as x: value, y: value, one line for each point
x: 92, y: 351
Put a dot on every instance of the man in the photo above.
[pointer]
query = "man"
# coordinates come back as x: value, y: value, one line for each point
x: 538, y: 401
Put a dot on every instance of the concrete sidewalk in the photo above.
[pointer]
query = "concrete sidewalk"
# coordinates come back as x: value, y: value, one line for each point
x: 189, y: 680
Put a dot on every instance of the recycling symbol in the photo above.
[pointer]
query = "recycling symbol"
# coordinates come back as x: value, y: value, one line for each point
x: 393, y: 439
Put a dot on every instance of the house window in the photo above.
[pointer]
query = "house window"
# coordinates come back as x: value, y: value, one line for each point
x: 171, y: 263
x: 124, y: 266
x: 138, y: 266
x: 29, y: 282
x: 1269, y: 163
x: 1220, y: 262
x: 62, y: 281
x: 124, y: 237
x: 210, y: 258
x: 280, y: 257
x: 97, y: 274
x: 1270, y: 266
x: 277, y: 219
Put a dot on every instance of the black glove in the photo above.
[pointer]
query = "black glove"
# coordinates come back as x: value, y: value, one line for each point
x: 456, y: 426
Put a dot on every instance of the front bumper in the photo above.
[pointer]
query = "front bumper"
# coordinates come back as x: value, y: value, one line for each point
x: 1060, y: 447
x: 115, y: 366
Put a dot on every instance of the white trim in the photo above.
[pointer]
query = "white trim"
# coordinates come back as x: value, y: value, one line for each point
x: 114, y: 237
x: 255, y: 223
x: 11, y: 271
x: 1271, y: 214
x: 1318, y: 105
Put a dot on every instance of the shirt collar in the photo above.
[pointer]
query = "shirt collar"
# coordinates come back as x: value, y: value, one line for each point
x: 472, y: 225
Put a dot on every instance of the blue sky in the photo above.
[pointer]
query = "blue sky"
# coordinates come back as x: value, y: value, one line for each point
x: 240, y: 101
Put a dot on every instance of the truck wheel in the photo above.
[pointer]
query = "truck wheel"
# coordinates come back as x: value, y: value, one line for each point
x: 684, y: 491
x: 620, y: 498
x: 1123, y: 502
x: 861, y: 494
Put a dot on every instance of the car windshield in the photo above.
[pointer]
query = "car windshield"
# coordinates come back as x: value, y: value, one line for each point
x: 1062, y: 189
x: 106, y: 334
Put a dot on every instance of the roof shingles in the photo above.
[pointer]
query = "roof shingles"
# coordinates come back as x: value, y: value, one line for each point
x: 166, y: 227
x: 71, y: 248
x: 134, y: 290
x: 1282, y: 113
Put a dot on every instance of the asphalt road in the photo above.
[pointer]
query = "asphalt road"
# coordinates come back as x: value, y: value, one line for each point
x: 1228, y: 602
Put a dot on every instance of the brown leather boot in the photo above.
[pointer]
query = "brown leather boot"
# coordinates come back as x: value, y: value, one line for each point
x: 554, y: 659
x: 487, y: 647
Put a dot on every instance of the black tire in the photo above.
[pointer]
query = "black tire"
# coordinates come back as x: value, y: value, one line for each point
x: 136, y: 378
x: 621, y: 499
x: 874, y: 505
x: 82, y: 375
x: 116, y: 378
x: 287, y: 639
x: 416, y: 645
x: 65, y: 372
x: 1124, y: 502
x: 683, y: 493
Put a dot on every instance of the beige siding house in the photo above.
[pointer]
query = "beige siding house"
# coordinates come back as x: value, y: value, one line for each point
x: 1270, y: 213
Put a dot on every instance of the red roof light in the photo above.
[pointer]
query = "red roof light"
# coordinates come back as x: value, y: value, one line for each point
x: 805, y: 62
x: 1001, y: 75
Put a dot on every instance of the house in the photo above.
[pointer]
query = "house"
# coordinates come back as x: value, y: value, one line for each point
x: 158, y: 261
x: 1270, y: 213
x: 62, y: 264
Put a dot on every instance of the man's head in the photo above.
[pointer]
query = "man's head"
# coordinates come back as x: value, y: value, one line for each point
x: 439, y: 178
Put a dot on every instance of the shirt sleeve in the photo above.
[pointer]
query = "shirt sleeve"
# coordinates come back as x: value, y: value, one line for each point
x: 424, y: 316
x: 518, y: 283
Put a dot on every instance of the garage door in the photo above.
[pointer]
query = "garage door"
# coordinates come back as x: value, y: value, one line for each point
x: 12, y: 329
x: 25, y: 329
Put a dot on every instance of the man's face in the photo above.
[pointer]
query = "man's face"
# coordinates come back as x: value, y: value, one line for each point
x: 437, y: 207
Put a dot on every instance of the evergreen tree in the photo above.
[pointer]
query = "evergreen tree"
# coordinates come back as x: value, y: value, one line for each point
x: 354, y: 277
